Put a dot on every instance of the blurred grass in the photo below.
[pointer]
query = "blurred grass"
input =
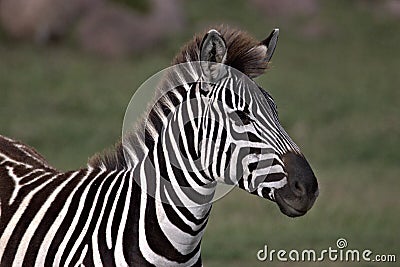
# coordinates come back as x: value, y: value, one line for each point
x: 338, y: 97
x: 139, y: 5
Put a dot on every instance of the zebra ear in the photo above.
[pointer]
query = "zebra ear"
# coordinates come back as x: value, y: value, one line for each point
x: 270, y: 43
x: 213, y: 50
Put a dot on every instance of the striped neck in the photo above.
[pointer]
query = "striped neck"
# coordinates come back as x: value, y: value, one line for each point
x: 167, y: 144
x: 166, y: 163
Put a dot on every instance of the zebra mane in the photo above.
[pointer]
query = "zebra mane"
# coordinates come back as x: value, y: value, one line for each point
x: 245, y: 54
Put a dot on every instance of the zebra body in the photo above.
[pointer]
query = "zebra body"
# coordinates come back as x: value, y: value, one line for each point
x: 91, y: 216
x: 147, y: 202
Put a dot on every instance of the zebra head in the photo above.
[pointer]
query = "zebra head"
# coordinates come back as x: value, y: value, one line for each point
x: 250, y: 147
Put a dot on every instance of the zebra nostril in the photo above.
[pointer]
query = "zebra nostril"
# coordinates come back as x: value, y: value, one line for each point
x: 298, y: 189
x: 302, y: 181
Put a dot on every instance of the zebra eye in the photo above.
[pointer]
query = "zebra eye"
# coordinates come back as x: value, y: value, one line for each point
x: 244, y: 117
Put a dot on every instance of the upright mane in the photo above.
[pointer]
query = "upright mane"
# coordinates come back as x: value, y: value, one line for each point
x: 244, y: 54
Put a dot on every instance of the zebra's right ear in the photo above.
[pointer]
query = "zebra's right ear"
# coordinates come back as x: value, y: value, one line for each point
x: 212, y: 52
x: 270, y: 43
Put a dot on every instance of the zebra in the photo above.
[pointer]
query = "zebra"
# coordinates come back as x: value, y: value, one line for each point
x: 134, y: 205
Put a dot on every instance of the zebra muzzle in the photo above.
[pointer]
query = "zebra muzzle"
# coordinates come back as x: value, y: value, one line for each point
x: 301, y: 191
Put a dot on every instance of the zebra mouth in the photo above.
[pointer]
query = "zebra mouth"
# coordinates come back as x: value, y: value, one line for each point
x: 286, y: 208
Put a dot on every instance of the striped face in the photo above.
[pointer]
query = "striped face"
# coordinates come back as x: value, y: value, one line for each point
x: 252, y: 149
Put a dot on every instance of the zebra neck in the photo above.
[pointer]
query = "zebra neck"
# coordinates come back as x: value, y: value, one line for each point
x: 169, y: 178
x: 168, y: 146
x: 169, y: 201
x: 171, y: 172
x: 167, y: 167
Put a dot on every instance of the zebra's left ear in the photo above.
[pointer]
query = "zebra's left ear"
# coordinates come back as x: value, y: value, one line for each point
x: 270, y: 43
x: 213, y: 50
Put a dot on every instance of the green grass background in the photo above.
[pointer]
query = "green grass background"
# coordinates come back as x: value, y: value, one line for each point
x: 338, y: 97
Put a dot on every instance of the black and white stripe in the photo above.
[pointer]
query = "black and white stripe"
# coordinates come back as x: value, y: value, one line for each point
x: 147, y: 203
